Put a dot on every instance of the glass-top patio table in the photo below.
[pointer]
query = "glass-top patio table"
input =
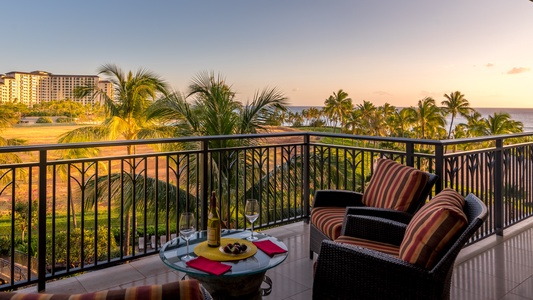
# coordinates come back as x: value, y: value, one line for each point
x: 244, y: 279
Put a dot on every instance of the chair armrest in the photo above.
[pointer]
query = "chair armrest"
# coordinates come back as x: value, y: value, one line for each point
x: 374, y: 229
x: 337, y: 198
x: 351, y: 272
x: 391, y: 214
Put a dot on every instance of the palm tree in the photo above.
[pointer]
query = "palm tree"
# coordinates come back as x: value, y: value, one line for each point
x: 306, y: 116
x: 126, y: 115
x: 295, y: 119
x: 455, y: 104
x: 501, y: 123
x: 476, y: 125
x: 126, y: 118
x: 367, y: 113
x: 213, y: 110
x: 387, y: 111
x: 354, y: 122
x: 402, y: 121
x: 275, y: 118
x: 337, y: 107
x: 428, y: 117
x: 314, y: 115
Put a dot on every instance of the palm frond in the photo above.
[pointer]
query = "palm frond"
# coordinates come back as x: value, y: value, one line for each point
x: 264, y: 104
x: 84, y: 134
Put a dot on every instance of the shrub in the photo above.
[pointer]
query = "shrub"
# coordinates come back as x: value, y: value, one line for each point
x: 5, y: 245
x: 150, y: 230
x: 89, y: 252
x: 317, y: 123
x: 44, y: 120
x: 64, y: 120
x: 23, y: 247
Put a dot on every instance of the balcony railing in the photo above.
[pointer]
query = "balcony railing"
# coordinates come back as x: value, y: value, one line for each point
x: 78, y: 214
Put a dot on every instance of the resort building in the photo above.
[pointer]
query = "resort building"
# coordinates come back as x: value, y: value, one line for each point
x: 39, y: 86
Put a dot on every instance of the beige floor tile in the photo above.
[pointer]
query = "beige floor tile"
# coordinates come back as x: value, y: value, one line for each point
x: 160, y: 278
x: 69, y: 285
x: 150, y: 266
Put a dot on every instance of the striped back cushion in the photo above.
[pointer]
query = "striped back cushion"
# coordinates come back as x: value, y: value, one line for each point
x: 183, y: 289
x: 328, y: 220
x: 394, y: 186
x: 432, y: 228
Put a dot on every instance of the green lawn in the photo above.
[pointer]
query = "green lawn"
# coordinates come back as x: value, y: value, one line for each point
x: 89, y: 224
x: 37, y: 135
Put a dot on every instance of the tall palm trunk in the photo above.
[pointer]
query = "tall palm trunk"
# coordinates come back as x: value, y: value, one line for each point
x: 451, y: 123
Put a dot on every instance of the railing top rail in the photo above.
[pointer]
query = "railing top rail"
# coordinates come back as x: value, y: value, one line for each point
x: 376, y: 138
x: 423, y: 141
x: 486, y: 138
x: 52, y: 147
x: 145, y: 141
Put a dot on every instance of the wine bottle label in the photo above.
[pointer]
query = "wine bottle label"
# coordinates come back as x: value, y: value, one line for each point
x: 213, y: 236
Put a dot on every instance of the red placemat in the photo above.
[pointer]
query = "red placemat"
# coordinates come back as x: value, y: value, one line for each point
x: 269, y: 248
x: 212, y: 267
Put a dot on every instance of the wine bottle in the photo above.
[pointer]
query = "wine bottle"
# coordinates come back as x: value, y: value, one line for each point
x: 213, y: 223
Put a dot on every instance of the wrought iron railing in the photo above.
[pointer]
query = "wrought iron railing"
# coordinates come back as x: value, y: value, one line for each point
x: 77, y: 214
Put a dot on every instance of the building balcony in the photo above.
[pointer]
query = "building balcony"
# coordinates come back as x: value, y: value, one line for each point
x: 112, y: 202
x: 495, y: 268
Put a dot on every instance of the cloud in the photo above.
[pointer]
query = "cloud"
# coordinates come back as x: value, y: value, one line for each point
x: 489, y: 65
x: 518, y: 70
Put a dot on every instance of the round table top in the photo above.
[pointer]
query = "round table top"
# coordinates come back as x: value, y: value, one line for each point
x: 173, y: 250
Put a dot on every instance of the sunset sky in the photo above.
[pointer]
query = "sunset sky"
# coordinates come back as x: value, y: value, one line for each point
x: 381, y: 51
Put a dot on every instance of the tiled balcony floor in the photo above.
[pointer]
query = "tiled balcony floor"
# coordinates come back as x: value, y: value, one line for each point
x: 495, y: 268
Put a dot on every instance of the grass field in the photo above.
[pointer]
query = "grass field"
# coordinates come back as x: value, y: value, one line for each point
x: 37, y: 135
x: 49, y: 134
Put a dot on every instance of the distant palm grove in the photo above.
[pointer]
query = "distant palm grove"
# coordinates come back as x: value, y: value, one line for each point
x: 426, y: 120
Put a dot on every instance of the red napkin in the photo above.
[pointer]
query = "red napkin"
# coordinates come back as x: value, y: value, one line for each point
x: 269, y: 248
x: 212, y: 267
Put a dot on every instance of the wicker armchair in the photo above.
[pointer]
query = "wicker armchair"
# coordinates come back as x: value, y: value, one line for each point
x: 352, y: 203
x: 350, y: 272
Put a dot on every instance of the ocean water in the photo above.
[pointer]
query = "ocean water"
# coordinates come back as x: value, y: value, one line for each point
x: 524, y: 115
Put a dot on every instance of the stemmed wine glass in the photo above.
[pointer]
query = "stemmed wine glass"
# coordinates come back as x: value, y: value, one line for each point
x: 187, y: 229
x: 251, y: 211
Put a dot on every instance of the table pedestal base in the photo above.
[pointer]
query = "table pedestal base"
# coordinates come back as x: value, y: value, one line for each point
x: 245, y: 287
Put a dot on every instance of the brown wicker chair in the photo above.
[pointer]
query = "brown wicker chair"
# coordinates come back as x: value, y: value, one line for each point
x: 353, y: 204
x: 350, y: 272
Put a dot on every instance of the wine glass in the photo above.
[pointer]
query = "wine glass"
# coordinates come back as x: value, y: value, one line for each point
x: 251, y: 211
x: 187, y: 229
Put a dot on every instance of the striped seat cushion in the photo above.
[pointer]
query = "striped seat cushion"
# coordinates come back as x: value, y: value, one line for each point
x: 184, y: 289
x: 394, y: 186
x: 328, y: 220
x: 378, y: 246
x: 432, y: 228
